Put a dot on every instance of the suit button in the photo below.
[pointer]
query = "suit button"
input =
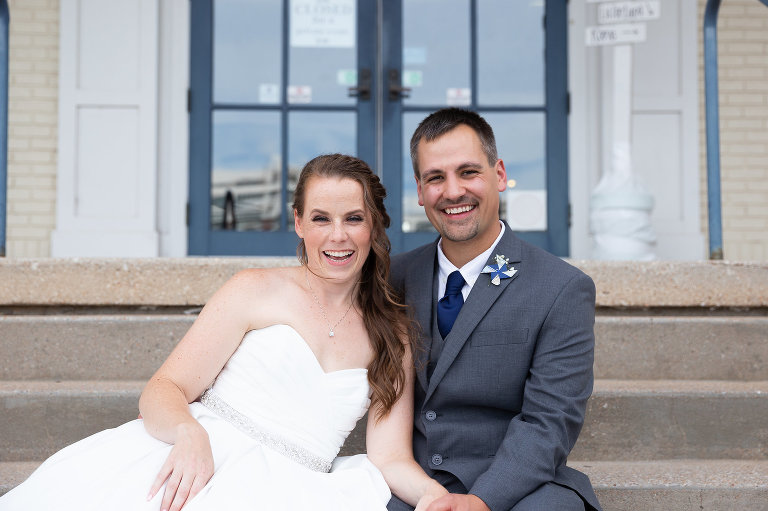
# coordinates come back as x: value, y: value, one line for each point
x: 431, y: 415
x: 437, y: 459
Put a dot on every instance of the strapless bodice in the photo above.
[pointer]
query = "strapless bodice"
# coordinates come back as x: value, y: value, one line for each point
x: 274, y: 385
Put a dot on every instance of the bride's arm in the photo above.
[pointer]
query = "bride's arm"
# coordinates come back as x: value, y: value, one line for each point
x: 186, y: 373
x: 390, y: 448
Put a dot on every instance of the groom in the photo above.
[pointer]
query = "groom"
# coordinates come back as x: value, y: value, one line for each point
x: 507, y: 337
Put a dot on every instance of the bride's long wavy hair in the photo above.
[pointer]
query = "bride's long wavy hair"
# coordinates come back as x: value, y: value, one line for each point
x: 383, y: 315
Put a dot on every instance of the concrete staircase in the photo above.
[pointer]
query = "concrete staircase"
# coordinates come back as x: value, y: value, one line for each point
x: 678, y: 419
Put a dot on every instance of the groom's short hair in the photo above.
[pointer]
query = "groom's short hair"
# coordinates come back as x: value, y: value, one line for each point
x: 442, y: 121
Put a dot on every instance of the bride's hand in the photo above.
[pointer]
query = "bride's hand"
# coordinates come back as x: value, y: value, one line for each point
x: 188, y: 468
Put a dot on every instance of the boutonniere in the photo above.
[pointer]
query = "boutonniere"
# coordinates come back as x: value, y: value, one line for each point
x: 500, y: 270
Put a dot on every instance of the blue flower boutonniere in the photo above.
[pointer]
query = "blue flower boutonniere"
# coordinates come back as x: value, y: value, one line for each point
x: 500, y: 270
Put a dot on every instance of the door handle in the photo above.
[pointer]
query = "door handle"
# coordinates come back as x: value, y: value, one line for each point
x: 363, y: 89
x: 396, y: 90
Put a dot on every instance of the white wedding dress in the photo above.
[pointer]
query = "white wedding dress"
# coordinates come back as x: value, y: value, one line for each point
x: 276, y: 421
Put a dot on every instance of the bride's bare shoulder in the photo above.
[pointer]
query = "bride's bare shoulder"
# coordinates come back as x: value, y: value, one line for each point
x: 264, y: 281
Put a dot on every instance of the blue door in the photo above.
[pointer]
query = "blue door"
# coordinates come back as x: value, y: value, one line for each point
x: 276, y: 82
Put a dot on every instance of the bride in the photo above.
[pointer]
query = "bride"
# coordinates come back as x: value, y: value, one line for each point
x: 254, y: 403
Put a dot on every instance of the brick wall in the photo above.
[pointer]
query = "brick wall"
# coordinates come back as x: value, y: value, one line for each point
x: 32, y: 126
x: 743, y: 83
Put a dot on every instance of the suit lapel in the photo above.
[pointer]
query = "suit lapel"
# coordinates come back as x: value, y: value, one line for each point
x: 477, y: 305
x: 422, y: 280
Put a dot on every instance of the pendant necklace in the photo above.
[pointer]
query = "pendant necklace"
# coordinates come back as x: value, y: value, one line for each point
x: 322, y: 309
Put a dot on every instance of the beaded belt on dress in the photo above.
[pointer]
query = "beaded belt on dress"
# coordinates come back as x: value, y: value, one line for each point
x: 275, y: 442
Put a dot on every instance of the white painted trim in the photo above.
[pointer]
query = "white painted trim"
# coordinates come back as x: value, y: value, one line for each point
x: 173, y: 152
x: 65, y: 186
x: 581, y: 146
x: 691, y: 243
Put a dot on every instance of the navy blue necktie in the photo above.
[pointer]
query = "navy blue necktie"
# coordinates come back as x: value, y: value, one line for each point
x: 449, y: 305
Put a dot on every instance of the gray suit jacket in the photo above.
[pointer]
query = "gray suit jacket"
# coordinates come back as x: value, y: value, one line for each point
x: 506, y: 400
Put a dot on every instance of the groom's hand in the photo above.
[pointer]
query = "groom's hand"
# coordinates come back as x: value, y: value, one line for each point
x: 457, y: 502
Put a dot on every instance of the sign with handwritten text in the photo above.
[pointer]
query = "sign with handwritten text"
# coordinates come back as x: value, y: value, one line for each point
x: 323, y: 23
x: 622, y: 12
x: 604, y: 35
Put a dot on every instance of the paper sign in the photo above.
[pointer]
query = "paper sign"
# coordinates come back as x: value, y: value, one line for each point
x: 412, y: 78
x: 299, y: 94
x: 323, y: 23
x: 458, y: 97
x: 615, y: 34
x: 620, y: 12
x: 269, y: 93
x: 346, y: 77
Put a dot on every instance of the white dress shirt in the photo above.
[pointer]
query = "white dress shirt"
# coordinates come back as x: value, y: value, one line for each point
x: 470, y: 271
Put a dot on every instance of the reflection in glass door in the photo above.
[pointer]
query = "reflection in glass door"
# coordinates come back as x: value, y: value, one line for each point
x: 276, y: 82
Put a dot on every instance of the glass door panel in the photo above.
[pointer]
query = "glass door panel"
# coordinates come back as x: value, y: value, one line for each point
x: 246, y: 175
x: 314, y: 133
x: 247, y: 51
x: 436, y: 54
x: 414, y: 218
x: 323, y: 52
x: 510, y: 53
x: 520, y: 140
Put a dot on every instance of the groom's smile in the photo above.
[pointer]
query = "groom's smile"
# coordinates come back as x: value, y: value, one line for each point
x: 458, y: 210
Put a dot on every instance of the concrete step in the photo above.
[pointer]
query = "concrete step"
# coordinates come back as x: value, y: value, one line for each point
x: 626, y: 420
x: 679, y: 485
x: 132, y: 346
x: 161, y: 281
x: 88, y: 347
x: 658, y: 485
x: 681, y: 347
x: 39, y: 417
x: 669, y: 419
x: 12, y: 473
